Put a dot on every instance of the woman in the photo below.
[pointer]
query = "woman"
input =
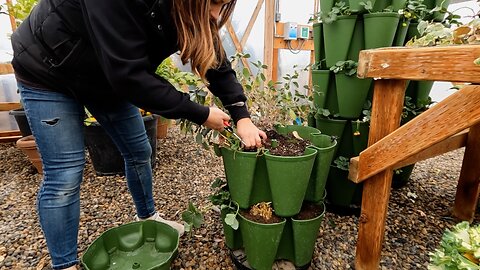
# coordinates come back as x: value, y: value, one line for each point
x: 103, y: 55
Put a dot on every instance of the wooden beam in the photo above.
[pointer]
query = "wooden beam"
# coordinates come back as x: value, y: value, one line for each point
x: 468, y: 187
x: 9, y: 139
x: 256, y: 11
x: 13, y: 24
x: 237, y: 45
x: 447, y: 118
x: 456, y: 63
x: 456, y: 141
x: 7, y: 106
x: 10, y: 133
x: 376, y: 191
x: 269, y: 33
x: 6, y: 68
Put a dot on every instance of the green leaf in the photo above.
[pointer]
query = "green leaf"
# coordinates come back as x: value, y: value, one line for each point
x: 231, y: 220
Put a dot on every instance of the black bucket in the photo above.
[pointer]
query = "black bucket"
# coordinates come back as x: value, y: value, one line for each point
x: 105, y: 157
x: 22, y: 122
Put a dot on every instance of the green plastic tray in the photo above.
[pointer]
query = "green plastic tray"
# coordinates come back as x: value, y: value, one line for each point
x: 137, y: 245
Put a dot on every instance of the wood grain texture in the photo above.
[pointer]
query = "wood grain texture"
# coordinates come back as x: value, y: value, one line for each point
x: 450, y: 116
x: 454, y: 142
x: 455, y: 64
x: 376, y: 191
x: 269, y: 33
x: 7, y: 106
x: 468, y: 186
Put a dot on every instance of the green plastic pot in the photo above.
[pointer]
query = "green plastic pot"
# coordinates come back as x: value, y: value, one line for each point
x: 139, y: 245
x: 401, y: 34
x: 358, y: 43
x: 326, y: 5
x: 302, y: 131
x: 331, y: 103
x: 261, y: 187
x: 233, y: 238
x: 352, y: 93
x: 305, y: 233
x: 398, y: 4
x: 320, y: 81
x: 325, y: 146
x: 380, y: 29
x: 412, y: 31
x: 423, y: 92
x: 340, y: 190
x: 318, y: 44
x: 337, y: 37
x: 289, y: 177
x: 240, y: 171
x: 380, y: 5
x: 360, y: 131
x: 332, y: 127
x: 285, y: 247
x: 260, y: 242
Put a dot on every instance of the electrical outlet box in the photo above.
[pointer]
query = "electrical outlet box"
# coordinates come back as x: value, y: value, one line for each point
x: 303, y: 32
x: 290, y: 31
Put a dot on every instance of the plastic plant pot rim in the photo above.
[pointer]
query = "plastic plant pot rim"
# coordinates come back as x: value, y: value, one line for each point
x: 266, y: 224
x: 290, y: 158
x: 381, y: 14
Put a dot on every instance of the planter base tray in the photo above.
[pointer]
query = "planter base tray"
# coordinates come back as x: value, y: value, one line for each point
x: 239, y: 259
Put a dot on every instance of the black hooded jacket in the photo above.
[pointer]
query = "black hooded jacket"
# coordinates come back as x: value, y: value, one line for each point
x: 101, y: 51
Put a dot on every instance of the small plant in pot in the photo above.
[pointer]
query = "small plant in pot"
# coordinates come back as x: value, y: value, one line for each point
x: 228, y: 212
x: 261, y: 233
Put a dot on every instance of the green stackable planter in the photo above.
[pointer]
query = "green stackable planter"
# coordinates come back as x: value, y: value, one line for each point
x: 436, y: 16
x: 137, y: 245
x: 358, y: 43
x: 261, y: 242
x: 401, y: 34
x: 398, y: 4
x: 318, y: 44
x: 233, y: 238
x: 337, y: 37
x: 304, y: 235
x: 240, y: 171
x: 265, y: 243
x: 360, y: 139
x: 326, y: 5
x: 320, y: 81
x: 380, y: 29
x: 325, y: 146
x: 332, y: 127
x: 340, y: 190
x: 332, y: 100
x: 289, y: 177
x: 380, y: 5
x: 352, y: 92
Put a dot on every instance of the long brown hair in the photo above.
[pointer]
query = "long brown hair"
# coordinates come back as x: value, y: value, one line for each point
x: 198, y: 33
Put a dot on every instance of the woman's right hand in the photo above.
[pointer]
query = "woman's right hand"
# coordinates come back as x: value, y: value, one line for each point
x: 215, y: 119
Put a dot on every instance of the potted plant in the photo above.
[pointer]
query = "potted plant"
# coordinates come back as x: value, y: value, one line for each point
x: 352, y: 92
x: 105, y: 157
x: 261, y: 233
x: 380, y: 26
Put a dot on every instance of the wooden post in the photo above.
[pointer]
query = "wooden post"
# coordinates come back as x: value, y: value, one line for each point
x: 376, y: 190
x: 269, y: 35
x: 13, y: 24
x: 468, y: 187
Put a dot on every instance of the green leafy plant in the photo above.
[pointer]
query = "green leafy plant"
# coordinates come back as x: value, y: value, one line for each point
x: 459, y: 249
x: 325, y: 113
x: 368, y: 6
x: 341, y: 163
x: 339, y: 9
x: 20, y: 10
x: 348, y: 67
x: 221, y: 197
x: 414, y: 11
x: 193, y: 218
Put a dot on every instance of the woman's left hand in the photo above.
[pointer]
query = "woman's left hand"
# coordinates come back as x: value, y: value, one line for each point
x: 250, y: 134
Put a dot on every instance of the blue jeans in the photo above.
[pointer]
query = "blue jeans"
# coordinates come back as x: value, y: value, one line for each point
x: 56, y: 121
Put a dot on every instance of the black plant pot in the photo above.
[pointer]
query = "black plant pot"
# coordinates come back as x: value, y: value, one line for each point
x: 22, y: 122
x: 105, y: 157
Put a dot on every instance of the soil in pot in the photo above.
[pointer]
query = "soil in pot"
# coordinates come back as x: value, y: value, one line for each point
x: 261, y: 213
x: 309, y: 211
x: 287, y: 145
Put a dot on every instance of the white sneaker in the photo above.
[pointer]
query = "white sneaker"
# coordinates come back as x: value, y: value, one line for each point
x: 177, y: 226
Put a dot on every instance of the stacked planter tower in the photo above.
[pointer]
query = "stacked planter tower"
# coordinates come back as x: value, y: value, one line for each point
x: 343, y: 102
x: 286, y: 182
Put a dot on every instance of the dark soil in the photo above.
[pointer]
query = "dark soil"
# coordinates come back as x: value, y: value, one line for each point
x: 259, y: 219
x: 288, y: 145
x: 309, y: 211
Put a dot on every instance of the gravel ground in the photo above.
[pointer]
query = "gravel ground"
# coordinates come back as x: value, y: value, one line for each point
x: 417, y: 215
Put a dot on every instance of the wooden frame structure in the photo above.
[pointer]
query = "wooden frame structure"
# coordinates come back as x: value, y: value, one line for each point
x: 450, y: 124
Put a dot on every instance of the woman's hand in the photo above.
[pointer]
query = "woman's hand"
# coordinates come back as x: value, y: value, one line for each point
x: 250, y: 134
x: 215, y: 119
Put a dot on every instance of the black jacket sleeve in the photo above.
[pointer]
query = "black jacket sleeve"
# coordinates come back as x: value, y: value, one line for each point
x: 224, y: 85
x: 117, y: 30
